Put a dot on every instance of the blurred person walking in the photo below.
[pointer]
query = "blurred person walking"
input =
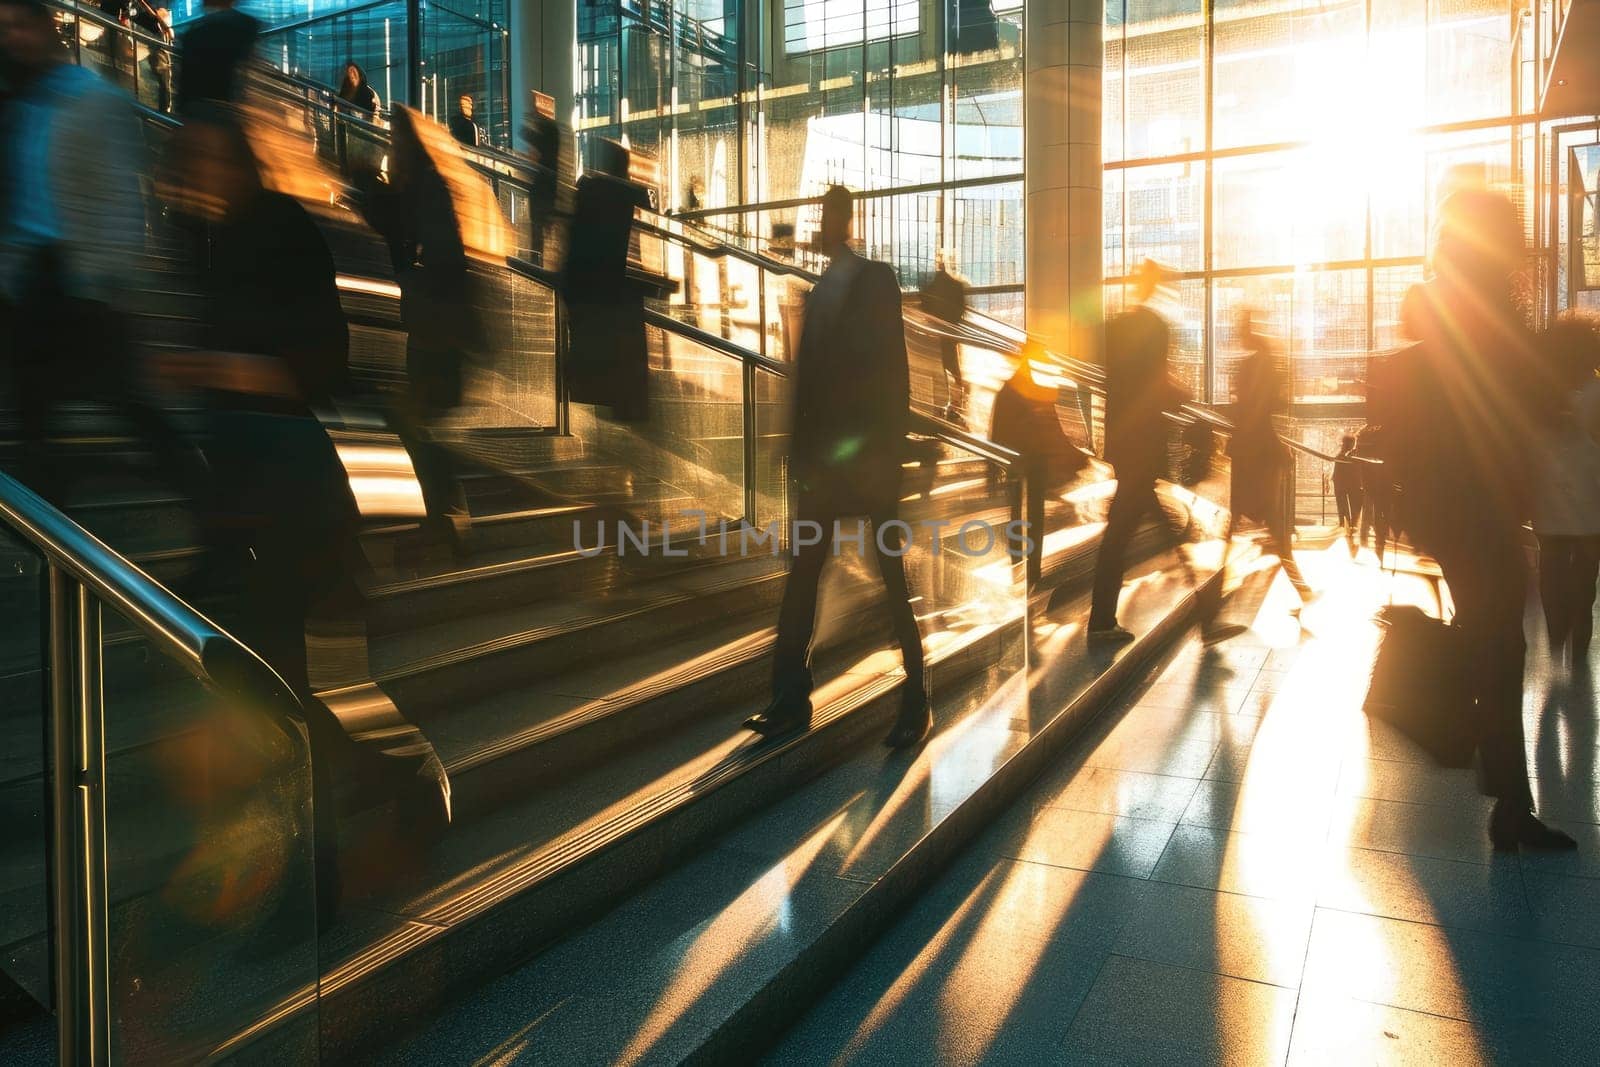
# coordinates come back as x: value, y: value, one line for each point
x: 280, y: 520
x: 1566, y: 514
x: 212, y: 50
x: 1139, y: 390
x: 851, y: 406
x: 462, y: 128
x: 415, y: 213
x: 1347, y: 489
x: 945, y: 298
x: 73, y: 227
x: 543, y: 135
x: 1463, y: 410
x: 359, y: 96
x: 1377, y: 490
x: 356, y: 99
x: 1261, y: 467
x: 1025, y: 421
x: 157, y: 23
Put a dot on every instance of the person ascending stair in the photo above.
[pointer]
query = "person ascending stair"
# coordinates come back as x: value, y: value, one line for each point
x: 851, y: 402
x: 1139, y: 389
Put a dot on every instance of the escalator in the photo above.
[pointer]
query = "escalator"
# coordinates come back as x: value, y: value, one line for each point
x: 586, y: 704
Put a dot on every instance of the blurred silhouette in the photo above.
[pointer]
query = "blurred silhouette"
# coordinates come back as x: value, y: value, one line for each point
x: 356, y: 98
x: 607, y: 361
x: 73, y: 226
x: 1261, y: 465
x: 1463, y: 409
x: 851, y: 403
x: 280, y: 519
x: 356, y: 93
x: 157, y: 22
x: 1347, y: 488
x: 1566, y: 516
x: 694, y: 198
x: 1377, y: 491
x: 1139, y: 390
x: 1025, y: 421
x: 945, y: 298
x: 211, y: 51
x: 429, y: 235
x: 462, y: 128
x: 543, y: 135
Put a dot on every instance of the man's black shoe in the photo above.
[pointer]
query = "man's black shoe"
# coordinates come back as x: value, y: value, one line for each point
x: 914, y: 723
x: 786, y: 714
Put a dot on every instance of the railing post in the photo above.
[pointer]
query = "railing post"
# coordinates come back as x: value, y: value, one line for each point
x: 79, y: 906
x: 562, y: 344
x: 751, y: 428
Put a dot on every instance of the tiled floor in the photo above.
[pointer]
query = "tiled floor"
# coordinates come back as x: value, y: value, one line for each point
x: 1240, y: 868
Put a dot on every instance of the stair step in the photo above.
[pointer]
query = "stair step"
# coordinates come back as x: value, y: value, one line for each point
x: 602, y: 831
x: 526, y: 643
x: 719, y: 954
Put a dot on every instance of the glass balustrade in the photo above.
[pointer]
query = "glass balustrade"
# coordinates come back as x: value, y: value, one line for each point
x: 160, y: 871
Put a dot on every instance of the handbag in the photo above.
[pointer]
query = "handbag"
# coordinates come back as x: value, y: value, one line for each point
x: 1418, y: 686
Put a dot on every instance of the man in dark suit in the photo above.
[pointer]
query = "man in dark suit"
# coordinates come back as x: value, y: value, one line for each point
x: 851, y: 402
x: 543, y: 135
x: 210, y: 51
x: 1139, y: 389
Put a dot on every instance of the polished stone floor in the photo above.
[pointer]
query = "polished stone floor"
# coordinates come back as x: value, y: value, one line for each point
x: 1238, y: 867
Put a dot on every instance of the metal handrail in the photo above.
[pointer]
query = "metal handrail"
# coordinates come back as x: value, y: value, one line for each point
x: 925, y: 423
x: 82, y: 578
x: 200, y: 645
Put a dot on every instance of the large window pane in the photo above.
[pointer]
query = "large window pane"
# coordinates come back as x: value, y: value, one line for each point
x: 812, y: 25
x: 1164, y: 215
x: 1389, y: 286
x: 1287, y: 207
x: 1113, y: 261
x: 1251, y: 225
x: 1469, y: 59
x: 1164, y: 78
x: 1111, y: 94
x: 987, y: 81
x: 1284, y: 70
x: 987, y: 235
x: 1398, y: 191
x: 1328, y: 346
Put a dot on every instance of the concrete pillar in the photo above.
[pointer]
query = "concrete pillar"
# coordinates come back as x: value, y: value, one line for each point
x: 1064, y: 63
x: 543, y: 56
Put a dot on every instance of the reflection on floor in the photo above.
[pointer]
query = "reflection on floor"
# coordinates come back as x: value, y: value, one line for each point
x: 1239, y: 867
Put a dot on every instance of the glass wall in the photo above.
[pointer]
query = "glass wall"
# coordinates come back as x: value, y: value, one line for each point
x: 1287, y: 156
x: 749, y: 105
x: 463, y: 47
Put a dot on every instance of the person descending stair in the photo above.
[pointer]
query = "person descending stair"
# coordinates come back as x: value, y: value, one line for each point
x: 1139, y: 389
x: 851, y: 403
x: 280, y: 519
x: 415, y: 212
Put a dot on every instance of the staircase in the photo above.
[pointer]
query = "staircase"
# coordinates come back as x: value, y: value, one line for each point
x: 629, y: 875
